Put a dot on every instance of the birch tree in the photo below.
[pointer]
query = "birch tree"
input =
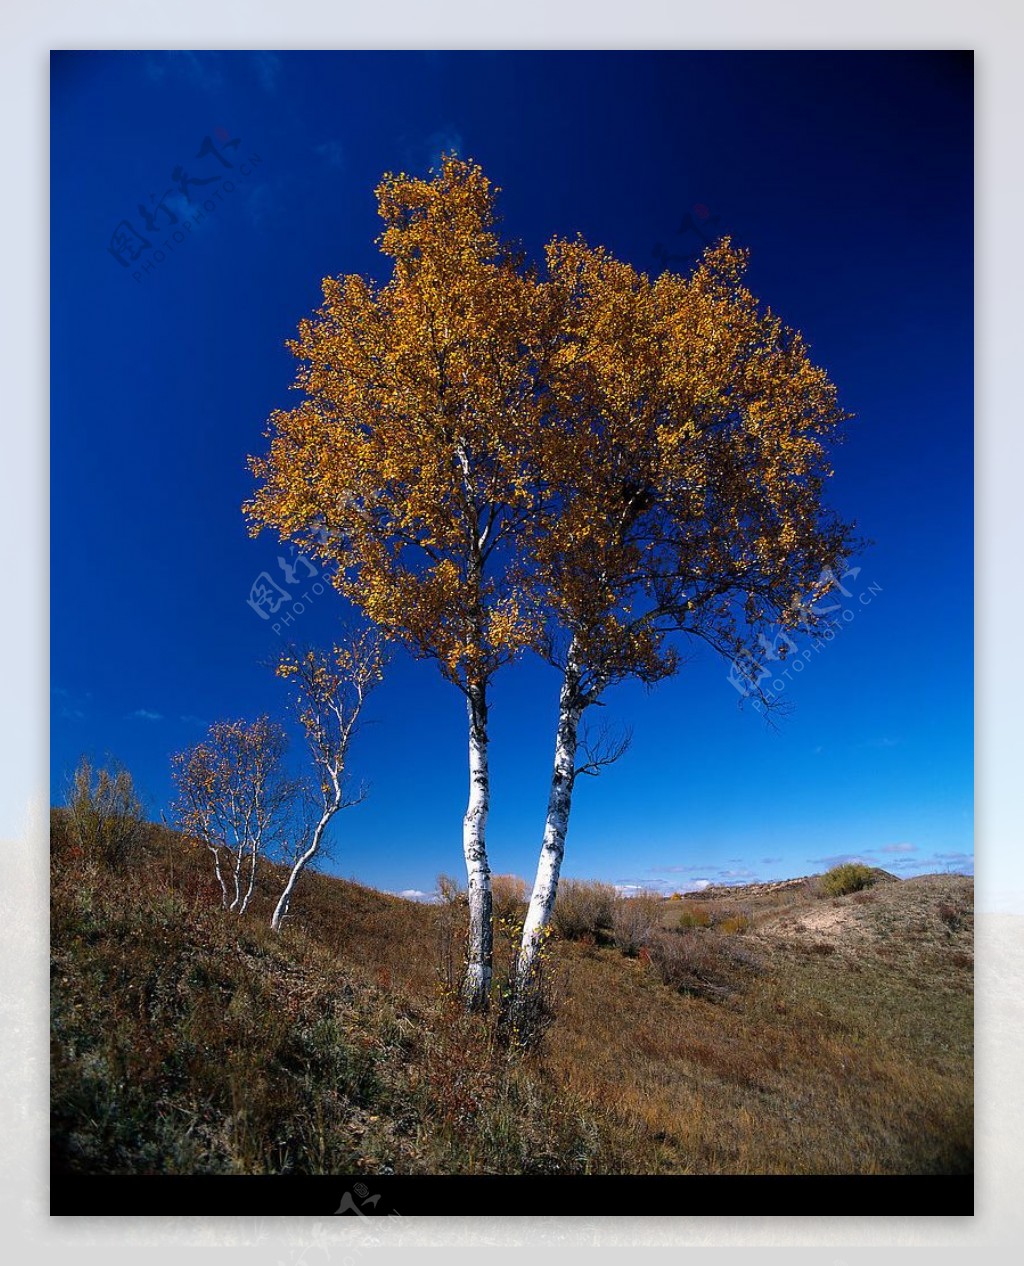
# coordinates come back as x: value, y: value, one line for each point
x: 235, y: 796
x: 684, y: 470
x: 330, y: 691
x: 403, y: 462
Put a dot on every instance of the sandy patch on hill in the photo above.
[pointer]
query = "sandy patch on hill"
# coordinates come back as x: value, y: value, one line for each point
x: 838, y: 924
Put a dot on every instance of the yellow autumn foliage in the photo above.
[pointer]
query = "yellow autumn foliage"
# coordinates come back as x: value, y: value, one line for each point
x: 490, y: 453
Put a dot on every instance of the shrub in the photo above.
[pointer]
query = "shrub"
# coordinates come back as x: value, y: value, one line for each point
x: 634, y: 921
x: 734, y: 923
x: 583, y: 908
x: 451, y: 924
x: 698, y: 962
x: 509, y: 894
x: 952, y: 916
x: 849, y: 877
x: 449, y: 890
x: 105, y: 817
x: 694, y: 916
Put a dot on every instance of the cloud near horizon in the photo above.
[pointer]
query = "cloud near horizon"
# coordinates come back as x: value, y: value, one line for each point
x: 840, y: 859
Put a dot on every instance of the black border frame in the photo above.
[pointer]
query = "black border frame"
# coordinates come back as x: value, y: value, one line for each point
x: 555, y: 1195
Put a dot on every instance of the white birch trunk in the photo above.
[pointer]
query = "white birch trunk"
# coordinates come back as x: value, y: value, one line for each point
x: 244, y: 904
x: 556, y: 826
x: 477, y: 983
x: 236, y: 876
x: 281, y: 909
x: 220, y: 877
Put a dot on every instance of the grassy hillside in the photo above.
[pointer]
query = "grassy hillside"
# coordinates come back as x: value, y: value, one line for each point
x: 779, y: 1031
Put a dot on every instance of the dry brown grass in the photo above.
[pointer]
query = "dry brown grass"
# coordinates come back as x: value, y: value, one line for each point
x: 187, y: 1041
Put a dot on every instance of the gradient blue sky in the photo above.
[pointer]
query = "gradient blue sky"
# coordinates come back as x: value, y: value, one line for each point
x: 849, y: 176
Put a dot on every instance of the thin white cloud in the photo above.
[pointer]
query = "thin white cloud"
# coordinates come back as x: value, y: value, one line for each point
x: 202, y: 69
x: 920, y: 865
x: 259, y: 204
x: 837, y: 859
x: 680, y: 870
x: 70, y: 709
x: 144, y: 714
x: 689, y: 885
x: 268, y: 68
x: 331, y: 152
x: 179, y: 205
x: 416, y: 894
x: 899, y: 848
x: 954, y: 862
x: 444, y: 141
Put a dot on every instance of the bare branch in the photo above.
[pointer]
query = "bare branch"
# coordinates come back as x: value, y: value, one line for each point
x: 601, y: 748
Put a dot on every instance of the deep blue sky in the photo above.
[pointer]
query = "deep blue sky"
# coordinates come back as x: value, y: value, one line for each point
x: 849, y: 176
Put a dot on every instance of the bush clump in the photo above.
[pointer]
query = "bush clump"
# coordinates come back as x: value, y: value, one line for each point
x: 699, y: 962
x: 583, y: 908
x: 734, y: 923
x: 104, y: 816
x: 849, y: 877
x: 634, y: 921
x: 693, y: 916
x: 509, y: 894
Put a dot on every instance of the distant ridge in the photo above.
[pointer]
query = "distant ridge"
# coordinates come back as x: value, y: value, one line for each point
x: 716, y: 891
